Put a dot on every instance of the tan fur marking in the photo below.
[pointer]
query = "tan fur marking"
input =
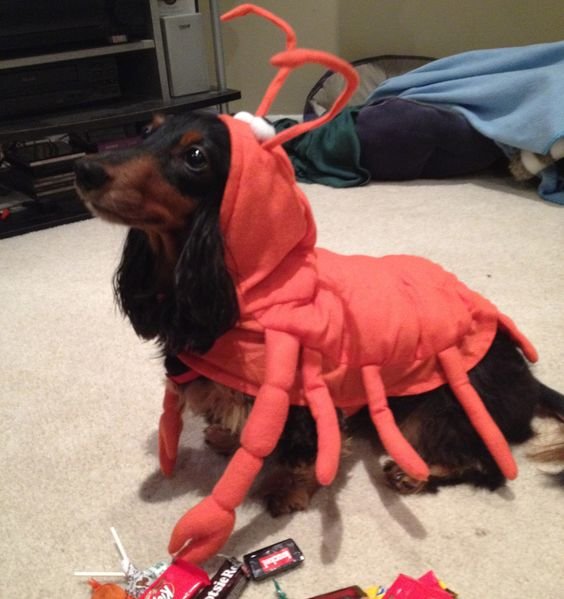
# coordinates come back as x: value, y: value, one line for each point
x: 141, y: 197
x: 218, y: 404
x: 191, y: 137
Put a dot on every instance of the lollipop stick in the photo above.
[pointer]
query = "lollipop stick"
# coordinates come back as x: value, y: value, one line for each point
x: 100, y: 574
x: 119, y: 545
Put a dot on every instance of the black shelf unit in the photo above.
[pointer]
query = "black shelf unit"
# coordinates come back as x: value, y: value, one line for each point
x: 143, y: 74
x: 38, y: 216
x: 116, y: 113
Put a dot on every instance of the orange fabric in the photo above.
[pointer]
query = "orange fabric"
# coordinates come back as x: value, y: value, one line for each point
x: 387, y: 322
x: 170, y: 427
x: 368, y: 328
x: 107, y: 591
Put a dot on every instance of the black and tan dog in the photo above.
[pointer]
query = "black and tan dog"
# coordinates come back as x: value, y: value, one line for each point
x: 174, y: 287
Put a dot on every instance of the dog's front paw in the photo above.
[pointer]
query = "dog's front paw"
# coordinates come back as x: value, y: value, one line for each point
x: 221, y: 439
x: 287, y: 500
x: 401, y: 482
x: 289, y: 490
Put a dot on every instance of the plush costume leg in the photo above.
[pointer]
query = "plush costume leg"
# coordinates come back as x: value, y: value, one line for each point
x: 526, y: 346
x: 325, y: 415
x: 476, y: 411
x: 170, y: 427
x: 390, y: 435
x: 204, y: 529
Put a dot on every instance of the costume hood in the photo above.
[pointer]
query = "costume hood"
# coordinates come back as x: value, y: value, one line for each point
x: 267, y: 225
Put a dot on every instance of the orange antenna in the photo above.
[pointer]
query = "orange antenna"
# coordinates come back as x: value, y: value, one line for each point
x: 292, y: 59
x: 291, y: 42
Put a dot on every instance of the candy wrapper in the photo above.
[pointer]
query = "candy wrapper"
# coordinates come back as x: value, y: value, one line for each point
x: 138, y: 581
x: 353, y: 592
x: 164, y: 580
x: 228, y: 582
x: 181, y: 580
x: 273, y: 559
x: 426, y: 587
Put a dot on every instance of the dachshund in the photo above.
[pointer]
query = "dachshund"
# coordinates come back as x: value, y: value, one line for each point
x: 173, y: 285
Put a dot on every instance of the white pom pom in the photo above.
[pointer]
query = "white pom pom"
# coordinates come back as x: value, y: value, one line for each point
x: 557, y: 150
x: 246, y: 117
x: 259, y: 126
x: 532, y: 162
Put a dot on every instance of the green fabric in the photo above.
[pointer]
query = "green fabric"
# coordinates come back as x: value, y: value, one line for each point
x: 330, y: 154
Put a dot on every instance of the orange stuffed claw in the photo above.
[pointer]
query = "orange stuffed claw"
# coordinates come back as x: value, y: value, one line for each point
x: 203, y: 530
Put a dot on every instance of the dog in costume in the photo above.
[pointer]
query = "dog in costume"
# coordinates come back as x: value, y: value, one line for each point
x: 221, y: 267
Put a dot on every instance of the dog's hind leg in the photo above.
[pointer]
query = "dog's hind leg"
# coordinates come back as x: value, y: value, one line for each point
x: 439, y: 429
x: 436, y: 426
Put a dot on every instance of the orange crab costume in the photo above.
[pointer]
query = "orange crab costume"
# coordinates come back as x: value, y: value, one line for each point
x: 322, y: 329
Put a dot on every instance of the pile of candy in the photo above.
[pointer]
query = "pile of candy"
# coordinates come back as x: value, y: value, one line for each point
x: 181, y: 580
x: 427, y: 586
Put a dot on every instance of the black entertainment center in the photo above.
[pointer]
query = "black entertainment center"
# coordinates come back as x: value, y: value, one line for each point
x: 78, y: 76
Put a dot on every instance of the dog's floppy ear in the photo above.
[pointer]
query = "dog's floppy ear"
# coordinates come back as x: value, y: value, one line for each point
x: 136, y: 286
x: 205, y: 298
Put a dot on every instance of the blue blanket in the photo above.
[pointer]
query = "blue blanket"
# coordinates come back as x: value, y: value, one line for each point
x: 514, y: 96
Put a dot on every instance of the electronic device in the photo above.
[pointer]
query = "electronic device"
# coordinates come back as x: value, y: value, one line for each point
x: 183, y: 37
x: 42, y: 169
x: 59, y: 85
x: 36, y: 24
x: 171, y: 7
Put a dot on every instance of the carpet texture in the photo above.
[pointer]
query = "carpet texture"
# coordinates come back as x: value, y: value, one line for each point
x: 81, y: 399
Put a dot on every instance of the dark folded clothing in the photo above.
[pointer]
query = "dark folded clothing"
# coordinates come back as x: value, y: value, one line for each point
x: 403, y: 140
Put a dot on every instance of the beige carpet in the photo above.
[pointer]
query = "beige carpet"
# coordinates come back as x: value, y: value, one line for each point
x: 81, y: 399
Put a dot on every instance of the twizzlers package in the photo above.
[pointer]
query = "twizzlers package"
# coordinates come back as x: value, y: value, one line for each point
x: 181, y: 580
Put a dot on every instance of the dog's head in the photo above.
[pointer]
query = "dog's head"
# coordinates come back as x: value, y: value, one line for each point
x: 172, y: 282
x: 157, y: 186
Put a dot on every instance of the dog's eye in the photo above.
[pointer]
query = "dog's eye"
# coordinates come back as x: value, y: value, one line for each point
x: 196, y: 159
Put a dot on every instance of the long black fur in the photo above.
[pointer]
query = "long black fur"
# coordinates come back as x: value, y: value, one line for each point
x: 198, y: 303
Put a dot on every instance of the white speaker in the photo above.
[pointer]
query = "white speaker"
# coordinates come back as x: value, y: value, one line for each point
x: 185, y: 51
x: 171, y: 7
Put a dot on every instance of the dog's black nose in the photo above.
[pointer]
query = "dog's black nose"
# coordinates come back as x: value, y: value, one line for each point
x: 90, y: 174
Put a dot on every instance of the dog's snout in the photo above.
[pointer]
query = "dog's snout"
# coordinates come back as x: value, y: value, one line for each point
x: 90, y: 174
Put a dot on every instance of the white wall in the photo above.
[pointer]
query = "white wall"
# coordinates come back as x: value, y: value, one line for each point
x: 361, y: 28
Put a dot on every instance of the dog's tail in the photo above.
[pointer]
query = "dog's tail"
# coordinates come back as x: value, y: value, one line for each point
x: 552, y: 402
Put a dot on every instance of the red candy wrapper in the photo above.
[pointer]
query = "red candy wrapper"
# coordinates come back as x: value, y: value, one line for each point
x: 426, y: 587
x: 181, y: 580
x: 354, y: 592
